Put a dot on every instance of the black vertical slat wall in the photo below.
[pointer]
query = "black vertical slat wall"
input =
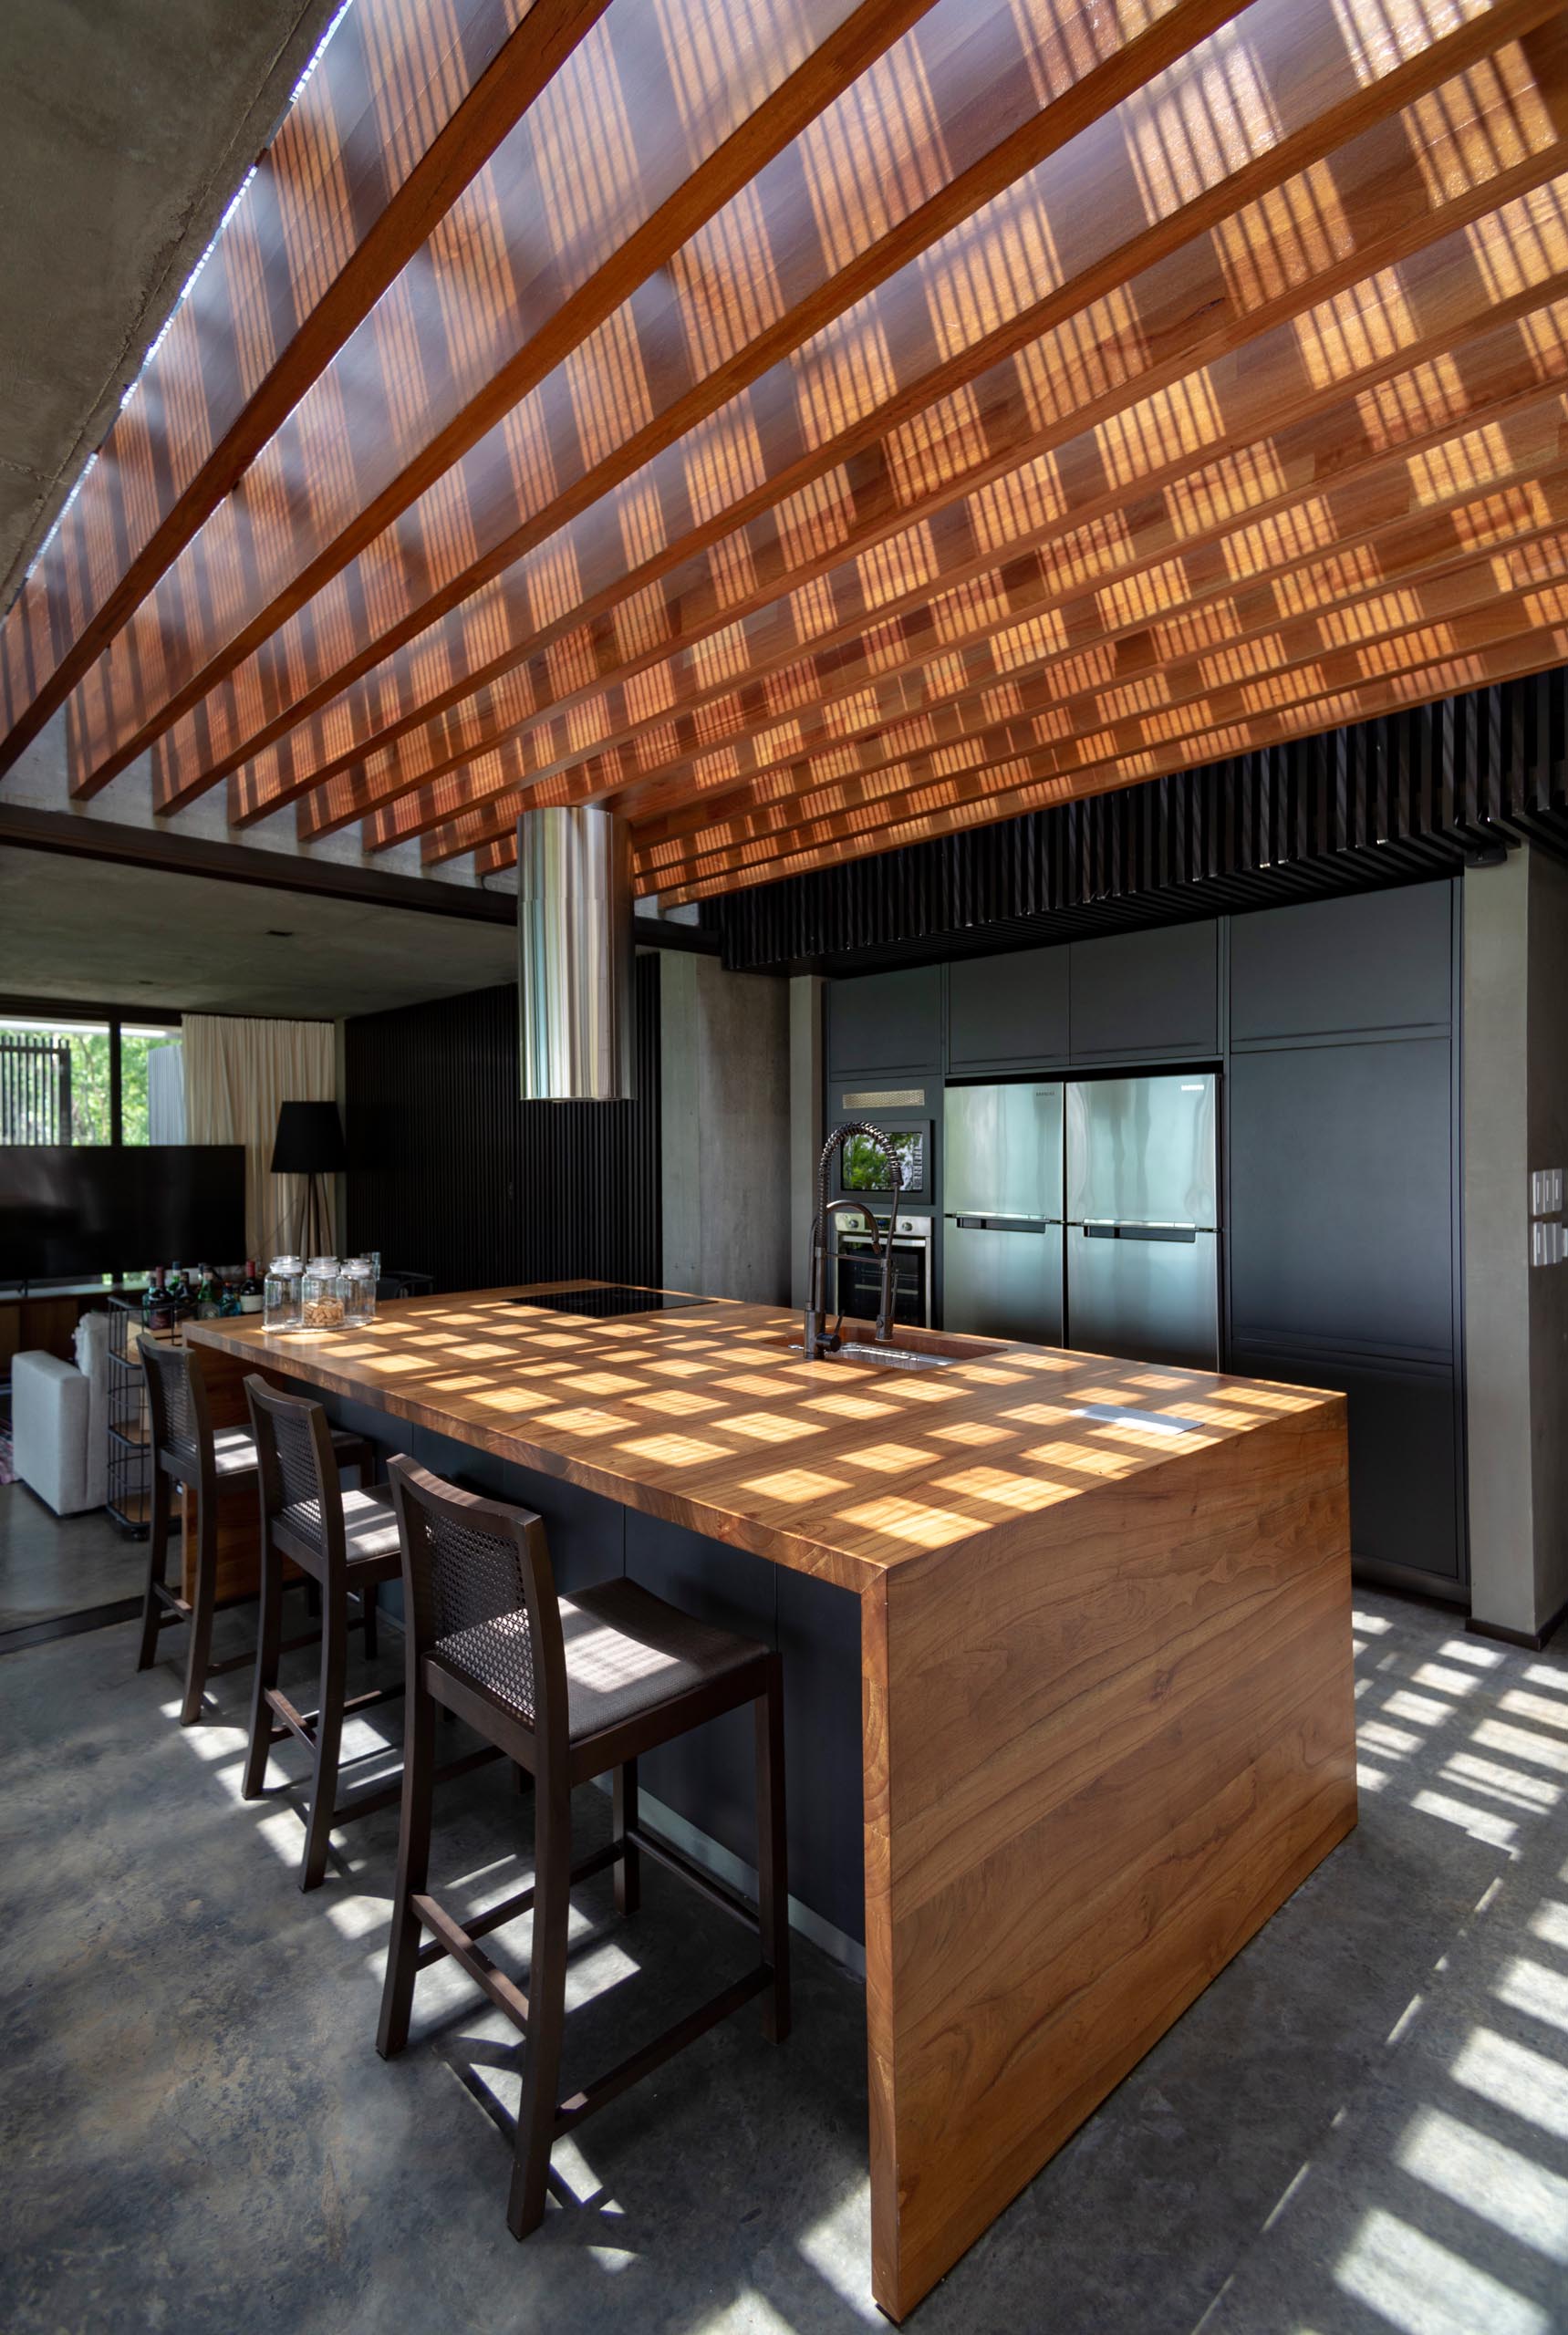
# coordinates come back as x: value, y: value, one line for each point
x: 450, y: 1174
x: 1397, y: 800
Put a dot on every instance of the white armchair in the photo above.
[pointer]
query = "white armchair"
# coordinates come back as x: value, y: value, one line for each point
x: 59, y: 1421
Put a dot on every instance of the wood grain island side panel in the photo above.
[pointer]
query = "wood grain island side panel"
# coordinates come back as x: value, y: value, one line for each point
x: 1113, y: 1750
x: 1106, y: 1667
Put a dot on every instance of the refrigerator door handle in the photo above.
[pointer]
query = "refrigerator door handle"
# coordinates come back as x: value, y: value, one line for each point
x: 1186, y: 1233
x: 1000, y: 1223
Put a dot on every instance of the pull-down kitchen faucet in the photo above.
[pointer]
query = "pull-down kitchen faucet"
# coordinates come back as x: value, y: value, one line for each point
x: 815, y: 1340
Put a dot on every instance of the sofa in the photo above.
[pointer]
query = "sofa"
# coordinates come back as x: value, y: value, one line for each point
x: 59, y: 1421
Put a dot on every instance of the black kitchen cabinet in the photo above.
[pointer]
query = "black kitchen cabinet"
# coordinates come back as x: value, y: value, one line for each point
x: 1338, y: 1116
x: 885, y: 1024
x: 1008, y: 1013
x: 1381, y: 960
x: 706, y: 1775
x: 1147, y: 996
x: 1342, y: 1197
x: 709, y: 1775
x: 1404, y: 1455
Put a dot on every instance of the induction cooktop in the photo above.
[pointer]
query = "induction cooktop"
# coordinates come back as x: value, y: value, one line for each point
x: 616, y: 1298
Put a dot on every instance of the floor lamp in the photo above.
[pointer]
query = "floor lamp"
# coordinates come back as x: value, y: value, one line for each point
x: 309, y: 1143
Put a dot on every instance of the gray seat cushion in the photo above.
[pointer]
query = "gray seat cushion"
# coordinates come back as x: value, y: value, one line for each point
x: 234, y: 1450
x: 628, y: 1653
x: 370, y: 1528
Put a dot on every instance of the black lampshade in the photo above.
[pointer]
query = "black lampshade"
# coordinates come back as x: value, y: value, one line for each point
x: 309, y: 1140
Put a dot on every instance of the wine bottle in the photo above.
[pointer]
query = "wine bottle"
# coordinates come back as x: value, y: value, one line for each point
x: 251, y: 1290
x: 159, y: 1313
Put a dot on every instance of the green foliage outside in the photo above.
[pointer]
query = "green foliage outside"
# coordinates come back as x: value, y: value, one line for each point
x: 91, y: 1094
x: 133, y: 1053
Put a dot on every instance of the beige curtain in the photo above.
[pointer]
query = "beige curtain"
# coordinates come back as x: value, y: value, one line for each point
x: 237, y: 1074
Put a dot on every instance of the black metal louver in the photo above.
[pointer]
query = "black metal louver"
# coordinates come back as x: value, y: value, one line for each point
x: 1406, y: 797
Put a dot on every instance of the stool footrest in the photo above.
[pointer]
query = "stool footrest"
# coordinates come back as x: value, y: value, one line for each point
x: 595, y: 2096
x: 294, y: 1721
x: 365, y: 1803
x: 729, y: 1901
x: 219, y: 1664
x: 305, y: 1723
x: 495, y: 1917
x: 503, y: 1991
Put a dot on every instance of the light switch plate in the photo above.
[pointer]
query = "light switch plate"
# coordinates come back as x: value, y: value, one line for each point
x: 1548, y: 1244
x: 1546, y: 1191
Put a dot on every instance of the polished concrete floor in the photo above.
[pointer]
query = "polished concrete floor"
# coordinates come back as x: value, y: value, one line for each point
x: 1361, y: 2127
x: 51, y: 1564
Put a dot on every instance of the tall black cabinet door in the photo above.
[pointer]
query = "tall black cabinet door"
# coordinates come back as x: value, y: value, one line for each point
x: 1342, y: 1197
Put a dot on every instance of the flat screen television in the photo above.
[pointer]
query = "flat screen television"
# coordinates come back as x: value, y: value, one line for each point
x: 68, y: 1212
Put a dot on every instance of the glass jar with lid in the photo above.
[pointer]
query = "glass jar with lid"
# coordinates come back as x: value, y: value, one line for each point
x: 359, y: 1292
x: 282, y: 1293
x: 322, y: 1294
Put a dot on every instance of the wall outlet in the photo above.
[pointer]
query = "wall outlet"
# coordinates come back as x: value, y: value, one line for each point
x: 1548, y: 1244
x: 1546, y: 1191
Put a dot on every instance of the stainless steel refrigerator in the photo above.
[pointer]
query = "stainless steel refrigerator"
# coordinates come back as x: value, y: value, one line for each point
x: 1001, y: 1203
x: 1143, y: 1216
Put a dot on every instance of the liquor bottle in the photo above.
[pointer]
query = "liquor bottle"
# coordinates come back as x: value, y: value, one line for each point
x: 179, y: 1291
x: 159, y: 1313
x: 229, y: 1293
x: 251, y: 1290
x: 209, y: 1295
x: 152, y: 1296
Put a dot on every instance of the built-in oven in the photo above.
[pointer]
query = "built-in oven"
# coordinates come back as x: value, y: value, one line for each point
x: 858, y: 1268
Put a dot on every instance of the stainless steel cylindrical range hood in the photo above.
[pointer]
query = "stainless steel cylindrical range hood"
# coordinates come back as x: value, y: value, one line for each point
x: 575, y: 955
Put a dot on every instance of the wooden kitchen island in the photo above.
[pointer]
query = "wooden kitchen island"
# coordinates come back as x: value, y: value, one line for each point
x: 1103, y: 1643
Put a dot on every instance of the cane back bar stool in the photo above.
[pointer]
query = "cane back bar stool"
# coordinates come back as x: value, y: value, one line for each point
x: 187, y: 1449
x: 346, y: 1542
x: 569, y: 1688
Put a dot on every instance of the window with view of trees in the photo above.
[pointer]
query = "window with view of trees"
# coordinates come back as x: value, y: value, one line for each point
x: 58, y: 1082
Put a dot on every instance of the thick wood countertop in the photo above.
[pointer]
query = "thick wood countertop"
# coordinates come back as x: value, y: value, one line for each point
x: 701, y: 1415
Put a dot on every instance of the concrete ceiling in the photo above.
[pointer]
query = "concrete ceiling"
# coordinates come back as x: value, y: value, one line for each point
x: 90, y: 931
x: 125, y: 128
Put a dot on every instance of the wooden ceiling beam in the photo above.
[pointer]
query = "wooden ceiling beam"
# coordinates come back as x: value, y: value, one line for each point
x: 1383, y: 203
x: 1046, y: 608
x: 659, y: 357
x: 583, y: 204
x: 403, y: 109
x: 1288, y: 369
x: 977, y: 698
x: 1246, y: 644
x: 1467, y: 611
x: 1533, y: 652
x: 1520, y: 546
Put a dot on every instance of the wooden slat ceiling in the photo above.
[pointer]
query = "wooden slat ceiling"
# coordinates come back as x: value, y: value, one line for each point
x: 815, y: 427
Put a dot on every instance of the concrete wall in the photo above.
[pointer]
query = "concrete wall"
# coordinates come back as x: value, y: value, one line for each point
x: 1516, y: 1316
x: 805, y: 1121
x: 725, y: 1079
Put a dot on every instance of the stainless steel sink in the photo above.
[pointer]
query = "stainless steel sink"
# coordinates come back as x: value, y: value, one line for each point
x: 895, y: 1357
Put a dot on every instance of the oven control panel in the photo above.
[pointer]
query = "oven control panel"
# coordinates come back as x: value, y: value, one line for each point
x: 905, y: 1228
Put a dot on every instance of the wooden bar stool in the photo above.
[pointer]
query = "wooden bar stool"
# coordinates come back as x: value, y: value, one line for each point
x: 569, y: 1688
x: 346, y: 1542
x: 188, y: 1450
